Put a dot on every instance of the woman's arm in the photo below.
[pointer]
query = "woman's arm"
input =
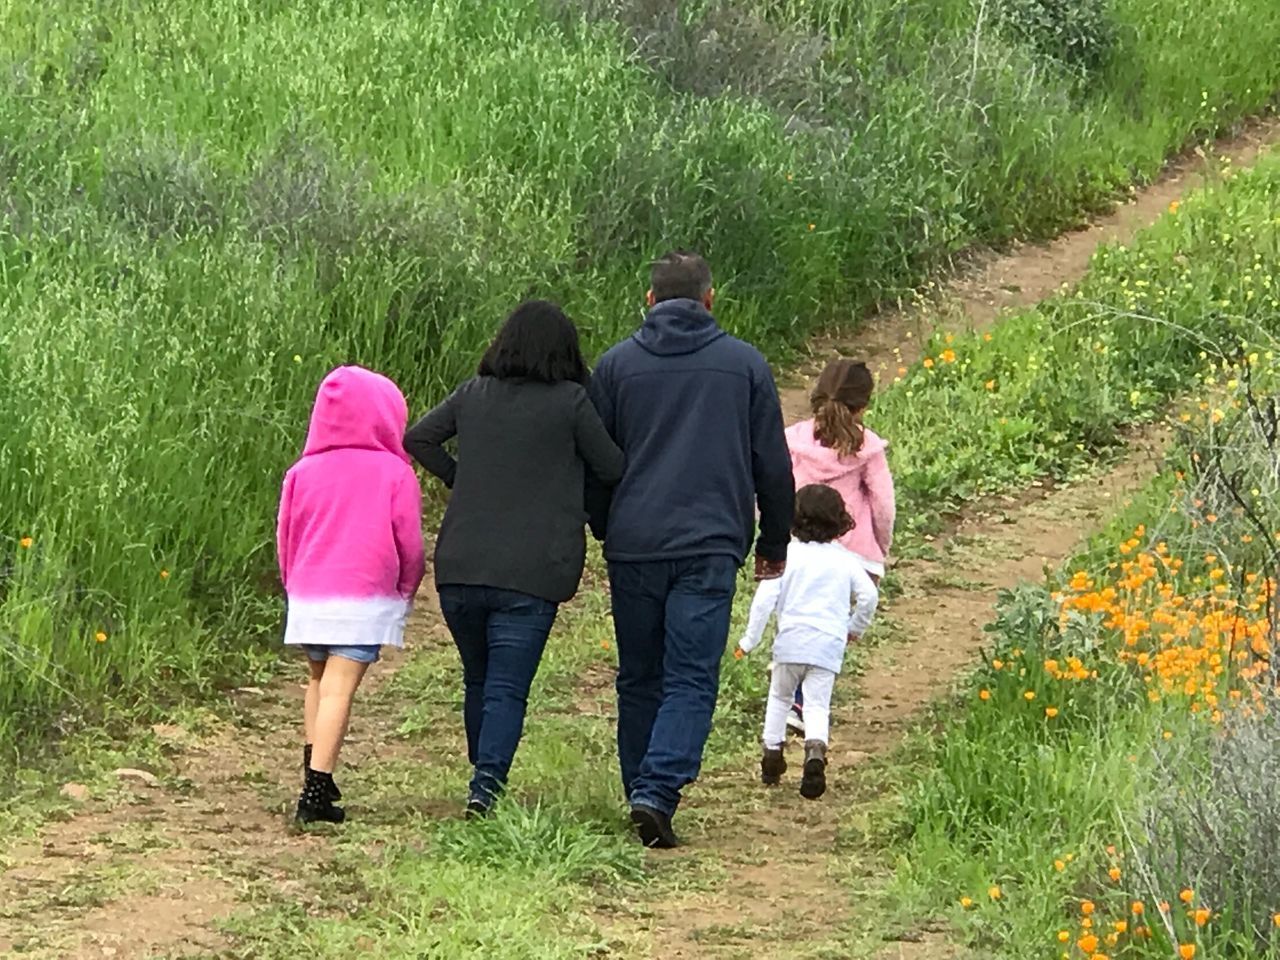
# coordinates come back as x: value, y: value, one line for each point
x: 424, y: 441
x: 598, y: 451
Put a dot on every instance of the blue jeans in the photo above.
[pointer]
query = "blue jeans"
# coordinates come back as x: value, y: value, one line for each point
x: 671, y: 619
x: 363, y: 653
x: 500, y: 635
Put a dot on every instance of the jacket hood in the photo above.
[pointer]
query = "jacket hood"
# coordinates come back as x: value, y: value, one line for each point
x: 357, y: 409
x: 676, y: 327
x: 822, y: 462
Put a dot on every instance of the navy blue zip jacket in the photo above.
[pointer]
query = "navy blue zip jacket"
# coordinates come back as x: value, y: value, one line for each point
x: 696, y: 413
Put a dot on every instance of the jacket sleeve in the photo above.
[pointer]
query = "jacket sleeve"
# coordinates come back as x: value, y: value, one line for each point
x: 595, y: 446
x: 424, y: 441
x: 763, y: 606
x: 284, y: 519
x: 599, y: 495
x: 865, y: 598
x: 406, y: 528
x: 879, y: 485
x: 770, y: 467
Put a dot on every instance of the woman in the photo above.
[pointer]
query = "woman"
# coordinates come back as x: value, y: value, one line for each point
x: 511, y: 546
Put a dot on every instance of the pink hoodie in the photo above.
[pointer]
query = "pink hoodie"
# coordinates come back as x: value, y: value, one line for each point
x: 349, y: 533
x: 863, y: 480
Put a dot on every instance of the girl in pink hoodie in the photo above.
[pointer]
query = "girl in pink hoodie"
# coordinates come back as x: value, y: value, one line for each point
x: 834, y: 448
x: 349, y: 537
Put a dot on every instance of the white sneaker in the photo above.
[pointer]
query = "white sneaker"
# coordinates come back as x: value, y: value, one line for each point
x: 795, y: 720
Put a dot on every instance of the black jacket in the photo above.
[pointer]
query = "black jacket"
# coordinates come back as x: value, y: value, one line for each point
x: 696, y: 412
x: 516, y: 516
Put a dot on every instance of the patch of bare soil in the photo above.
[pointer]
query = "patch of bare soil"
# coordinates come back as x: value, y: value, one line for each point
x: 150, y: 866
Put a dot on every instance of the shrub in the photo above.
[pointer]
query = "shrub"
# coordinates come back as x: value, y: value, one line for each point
x: 1212, y: 826
x: 1078, y: 34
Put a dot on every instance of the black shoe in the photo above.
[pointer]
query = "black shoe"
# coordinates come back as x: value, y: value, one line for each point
x: 654, y: 827
x: 326, y: 812
x: 772, y: 766
x: 814, y: 782
x: 315, y: 804
x: 478, y: 808
x: 334, y: 793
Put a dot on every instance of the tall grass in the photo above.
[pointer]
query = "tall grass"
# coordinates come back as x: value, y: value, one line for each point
x: 1117, y: 745
x: 203, y: 207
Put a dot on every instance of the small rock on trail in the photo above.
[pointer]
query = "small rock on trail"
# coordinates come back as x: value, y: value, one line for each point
x: 140, y: 776
x: 75, y: 791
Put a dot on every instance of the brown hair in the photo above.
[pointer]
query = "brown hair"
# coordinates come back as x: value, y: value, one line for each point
x: 841, y: 394
x: 821, y: 515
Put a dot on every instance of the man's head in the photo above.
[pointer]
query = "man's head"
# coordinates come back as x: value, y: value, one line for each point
x: 678, y: 275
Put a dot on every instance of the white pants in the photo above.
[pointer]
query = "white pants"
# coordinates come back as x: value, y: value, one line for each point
x: 816, y: 683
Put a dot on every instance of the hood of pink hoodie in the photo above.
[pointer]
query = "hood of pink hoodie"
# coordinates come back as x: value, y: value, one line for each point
x: 357, y: 409
x: 821, y: 462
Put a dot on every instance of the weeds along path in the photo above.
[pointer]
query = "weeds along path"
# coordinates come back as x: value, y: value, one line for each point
x: 782, y: 888
x: 1029, y: 273
x: 149, y: 867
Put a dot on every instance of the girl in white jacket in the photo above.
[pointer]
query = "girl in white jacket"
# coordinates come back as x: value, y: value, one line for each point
x: 824, y: 601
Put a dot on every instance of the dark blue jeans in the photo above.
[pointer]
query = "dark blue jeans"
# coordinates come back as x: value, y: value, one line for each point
x: 500, y: 635
x: 671, y: 619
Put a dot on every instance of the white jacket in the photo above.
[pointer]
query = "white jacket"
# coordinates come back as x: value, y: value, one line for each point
x: 824, y: 596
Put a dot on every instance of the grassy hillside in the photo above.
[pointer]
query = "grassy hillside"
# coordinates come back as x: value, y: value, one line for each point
x: 204, y: 207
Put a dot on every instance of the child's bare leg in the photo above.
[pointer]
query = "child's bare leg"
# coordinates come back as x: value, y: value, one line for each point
x: 311, y: 702
x: 333, y: 711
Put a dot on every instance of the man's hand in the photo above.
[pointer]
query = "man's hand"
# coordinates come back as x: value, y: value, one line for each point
x: 769, y: 569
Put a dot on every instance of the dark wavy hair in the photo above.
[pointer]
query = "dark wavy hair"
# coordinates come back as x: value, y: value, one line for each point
x: 820, y: 515
x: 537, y: 342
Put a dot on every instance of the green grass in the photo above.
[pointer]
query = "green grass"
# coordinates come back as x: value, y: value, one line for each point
x: 1042, y: 808
x: 555, y: 874
x: 205, y: 207
x: 1004, y: 795
x: 1049, y: 390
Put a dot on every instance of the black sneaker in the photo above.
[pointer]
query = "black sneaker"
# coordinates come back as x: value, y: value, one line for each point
x: 478, y: 808
x: 772, y: 766
x: 814, y: 782
x: 654, y: 827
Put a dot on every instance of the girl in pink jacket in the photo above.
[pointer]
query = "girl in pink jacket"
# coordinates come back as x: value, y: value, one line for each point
x: 349, y: 537
x: 835, y: 449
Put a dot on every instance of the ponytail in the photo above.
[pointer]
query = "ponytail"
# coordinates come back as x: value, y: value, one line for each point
x: 836, y: 426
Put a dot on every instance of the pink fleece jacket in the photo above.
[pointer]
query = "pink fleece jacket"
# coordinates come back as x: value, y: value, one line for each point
x: 349, y: 532
x: 863, y: 480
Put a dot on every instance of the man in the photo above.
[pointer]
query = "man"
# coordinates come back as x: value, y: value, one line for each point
x: 696, y: 412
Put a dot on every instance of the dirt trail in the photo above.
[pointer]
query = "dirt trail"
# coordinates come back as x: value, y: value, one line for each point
x: 1027, y: 274
x: 149, y: 869
x: 781, y: 894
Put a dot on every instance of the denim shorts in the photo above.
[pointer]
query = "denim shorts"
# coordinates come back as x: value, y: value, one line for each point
x: 320, y: 652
